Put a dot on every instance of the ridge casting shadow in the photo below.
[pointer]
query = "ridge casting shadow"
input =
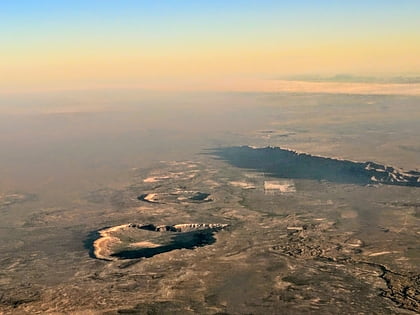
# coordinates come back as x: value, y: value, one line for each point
x: 278, y: 162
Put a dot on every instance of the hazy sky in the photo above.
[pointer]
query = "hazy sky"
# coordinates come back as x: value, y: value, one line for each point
x: 88, y: 43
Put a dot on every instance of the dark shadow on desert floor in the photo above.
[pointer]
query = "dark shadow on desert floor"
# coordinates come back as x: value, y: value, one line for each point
x: 187, y: 240
x: 90, y: 239
x: 284, y: 163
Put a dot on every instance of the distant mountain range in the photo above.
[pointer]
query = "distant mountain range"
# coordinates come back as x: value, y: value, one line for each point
x: 354, y: 78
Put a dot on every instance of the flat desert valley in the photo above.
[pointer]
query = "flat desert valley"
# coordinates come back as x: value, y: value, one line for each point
x: 279, y: 203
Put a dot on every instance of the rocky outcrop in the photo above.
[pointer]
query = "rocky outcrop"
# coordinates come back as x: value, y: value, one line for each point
x: 135, y: 240
x: 178, y: 196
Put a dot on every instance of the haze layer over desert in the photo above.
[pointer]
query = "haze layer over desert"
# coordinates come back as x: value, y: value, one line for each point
x: 223, y: 157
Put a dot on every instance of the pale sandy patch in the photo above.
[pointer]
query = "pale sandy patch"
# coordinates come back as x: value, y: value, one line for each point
x: 349, y: 214
x: 151, y: 198
x: 295, y: 228
x: 284, y: 186
x: 243, y: 185
x: 281, y: 284
x: 381, y: 253
x: 212, y: 183
x: 355, y: 243
x: 145, y: 244
x: 155, y: 179
x: 253, y: 175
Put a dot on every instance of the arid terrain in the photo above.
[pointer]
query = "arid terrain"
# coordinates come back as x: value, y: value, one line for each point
x: 211, y: 216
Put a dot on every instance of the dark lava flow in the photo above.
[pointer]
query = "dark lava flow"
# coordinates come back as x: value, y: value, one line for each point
x: 284, y: 163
